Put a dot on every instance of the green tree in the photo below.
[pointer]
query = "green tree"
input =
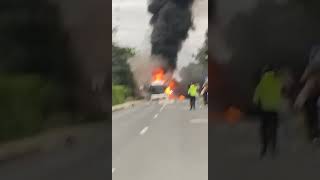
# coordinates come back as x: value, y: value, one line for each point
x: 33, y: 39
x: 197, y: 71
x: 35, y: 69
x: 202, y: 56
x: 121, y: 72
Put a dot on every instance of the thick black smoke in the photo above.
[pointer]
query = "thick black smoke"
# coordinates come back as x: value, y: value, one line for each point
x: 171, y: 21
x: 266, y: 33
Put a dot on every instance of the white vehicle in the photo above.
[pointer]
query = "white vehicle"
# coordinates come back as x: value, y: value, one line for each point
x: 156, y: 97
x: 157, y: 91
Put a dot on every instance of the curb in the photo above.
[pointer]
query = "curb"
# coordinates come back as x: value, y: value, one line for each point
x: 19, y: 149
x: 47, y: 140
x: 11, y: 153
x: 43, y: 142
x: 126, y: 105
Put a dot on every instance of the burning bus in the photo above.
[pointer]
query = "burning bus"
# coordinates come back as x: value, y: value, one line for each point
x: 158, y: 85
x: 163, y: 86
x: 157, y: 90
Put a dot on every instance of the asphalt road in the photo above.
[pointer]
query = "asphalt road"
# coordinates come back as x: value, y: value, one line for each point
x: 168, y: 142
x: 149, y: 141
x: 89, y: 158
x: 234, y: 150
x: 160, y: 141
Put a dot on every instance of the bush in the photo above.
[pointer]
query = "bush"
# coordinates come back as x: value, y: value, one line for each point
x: 119, y: 94
x: 24, y: 100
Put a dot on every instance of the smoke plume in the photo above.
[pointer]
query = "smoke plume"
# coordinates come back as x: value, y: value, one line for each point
x: 141, y: 64
x: 256, y: 36
x: 171, y: 21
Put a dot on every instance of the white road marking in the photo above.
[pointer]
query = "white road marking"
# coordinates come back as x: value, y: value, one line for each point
x: 144, y: 130
x: 113, y: 170
x: 199, y: 121
x: 161, y: 109
x: 155, y: 116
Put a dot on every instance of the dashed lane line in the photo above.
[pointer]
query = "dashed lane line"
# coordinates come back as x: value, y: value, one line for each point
x: 144, y: 130
x: 155, y: 116
x: 161, y: 109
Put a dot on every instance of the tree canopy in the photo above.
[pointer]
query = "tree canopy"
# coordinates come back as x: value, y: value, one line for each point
x: 121, y: 72
x: 33, y: 39
x: 202, y: 56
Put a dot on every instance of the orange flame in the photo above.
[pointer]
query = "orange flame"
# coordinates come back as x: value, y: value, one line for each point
x: 181, y: 97
x: 233, y: 115
x: 170, y: 88
x: 158, y: 74
x: 168, y: 91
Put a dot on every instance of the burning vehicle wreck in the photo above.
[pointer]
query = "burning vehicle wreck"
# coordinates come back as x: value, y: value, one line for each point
x: 157, y: 85
x: 163, y: 86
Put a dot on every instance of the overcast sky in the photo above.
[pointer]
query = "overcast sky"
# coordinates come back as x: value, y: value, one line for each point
x: 132, y: 21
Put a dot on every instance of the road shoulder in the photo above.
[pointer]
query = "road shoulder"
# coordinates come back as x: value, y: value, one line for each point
x: 126, y: 105
x: 46, y: 141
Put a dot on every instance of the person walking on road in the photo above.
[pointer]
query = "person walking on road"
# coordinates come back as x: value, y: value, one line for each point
x: 267, y: 96
x: 204, y: 92
x: 193, y: 93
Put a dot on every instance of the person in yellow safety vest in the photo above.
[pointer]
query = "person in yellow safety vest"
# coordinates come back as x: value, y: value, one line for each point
x: 193, y: 93
x: 267, y: 96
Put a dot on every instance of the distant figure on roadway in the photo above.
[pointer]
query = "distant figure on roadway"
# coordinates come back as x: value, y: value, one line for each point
x: 204, y: 92
x: 193, y: 93
x: 268, y: 97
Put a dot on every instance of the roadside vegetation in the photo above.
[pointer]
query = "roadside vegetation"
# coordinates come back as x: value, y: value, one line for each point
x: 198, y: 70
x: 123, y: 84
x: 35, y: 72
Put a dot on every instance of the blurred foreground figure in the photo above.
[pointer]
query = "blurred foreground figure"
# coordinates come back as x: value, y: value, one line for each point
x: 193, y: 93
x: 288, y: 116
x: 309, y: 95
x: 308, y: 99
x: 267, y: 97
